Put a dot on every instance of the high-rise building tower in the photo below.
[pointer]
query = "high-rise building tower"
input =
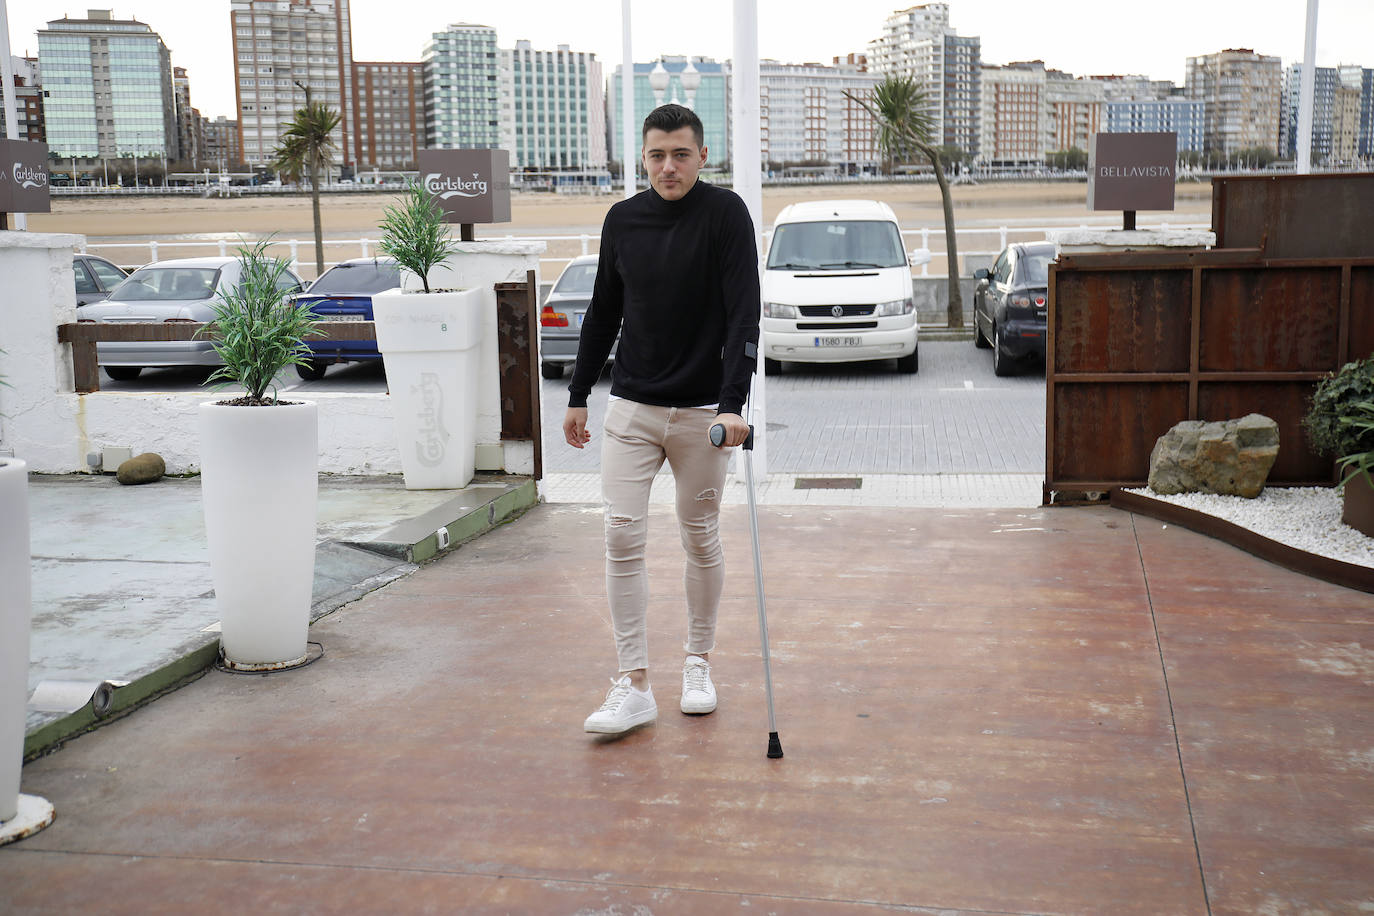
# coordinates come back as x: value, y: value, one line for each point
x: 280, y: 48
x: 391, y: 121
x: 918, y: 42
x: 809, y: 121
x: 553, y: 109
x: 28, y: 101
x: 462, y: 96
x: 189, y: 137
x: 1242, y: 91
x: 108, y: 88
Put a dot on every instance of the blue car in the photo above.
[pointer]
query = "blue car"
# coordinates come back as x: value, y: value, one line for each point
x: 344, y: 293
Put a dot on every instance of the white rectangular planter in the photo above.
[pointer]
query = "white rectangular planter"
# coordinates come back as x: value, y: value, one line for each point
x: 15, y: 612
x: 430, y: 343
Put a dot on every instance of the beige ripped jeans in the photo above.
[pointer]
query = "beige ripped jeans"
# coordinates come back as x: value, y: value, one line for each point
x: 638, y: 438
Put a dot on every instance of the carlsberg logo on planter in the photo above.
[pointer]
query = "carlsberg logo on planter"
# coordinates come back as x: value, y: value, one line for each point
x: 470, y: 185
x: 23, y: 177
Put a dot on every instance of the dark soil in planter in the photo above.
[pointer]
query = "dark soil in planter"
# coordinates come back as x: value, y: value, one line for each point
x: 247, y: 401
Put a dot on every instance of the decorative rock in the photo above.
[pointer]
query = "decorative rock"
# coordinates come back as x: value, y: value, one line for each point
x: 144, y: 468
x: 1230, y: 458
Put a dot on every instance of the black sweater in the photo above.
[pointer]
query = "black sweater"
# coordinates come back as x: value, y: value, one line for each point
x: 679, y: 280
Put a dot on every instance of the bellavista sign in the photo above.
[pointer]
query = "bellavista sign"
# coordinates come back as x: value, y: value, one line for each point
x: 23, y: 177
x: 1132, y: 171
x: 471, y: 185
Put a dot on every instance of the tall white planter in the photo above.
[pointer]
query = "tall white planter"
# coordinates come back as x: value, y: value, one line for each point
x: 429, y: 342
x: 20, y: 815
x: 259, y: 486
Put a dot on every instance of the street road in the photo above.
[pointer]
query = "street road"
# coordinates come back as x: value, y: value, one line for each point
x: 953, y: 417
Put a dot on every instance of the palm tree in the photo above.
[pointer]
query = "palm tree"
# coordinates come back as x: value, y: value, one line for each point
x: 307, y: 147
x: 901, y: 109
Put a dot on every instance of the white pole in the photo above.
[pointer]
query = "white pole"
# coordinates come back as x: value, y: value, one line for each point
x: 1308, y: 90
x: 7, y: 89
x: 747, y: 158
x: 630, y: 155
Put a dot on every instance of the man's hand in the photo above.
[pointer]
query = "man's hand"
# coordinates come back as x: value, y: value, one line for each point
x: 575, y: 427
x: 736, y: 430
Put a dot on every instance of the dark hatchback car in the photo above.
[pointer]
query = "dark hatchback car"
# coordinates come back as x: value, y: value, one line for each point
x: 1010, y: 305
x: 344, y: 293
x: 95, y: 277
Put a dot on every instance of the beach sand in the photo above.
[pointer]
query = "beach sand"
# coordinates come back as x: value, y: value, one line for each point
x: 356, y: 214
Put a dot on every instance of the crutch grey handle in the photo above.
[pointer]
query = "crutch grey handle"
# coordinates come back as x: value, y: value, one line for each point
x: 718, y: 436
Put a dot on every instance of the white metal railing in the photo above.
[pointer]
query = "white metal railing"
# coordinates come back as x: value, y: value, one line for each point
x: 588, y: 243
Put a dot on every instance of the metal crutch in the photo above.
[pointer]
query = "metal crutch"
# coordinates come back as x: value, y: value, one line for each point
x: 718, y: 439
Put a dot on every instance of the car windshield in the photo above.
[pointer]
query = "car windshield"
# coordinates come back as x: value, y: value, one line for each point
x: 167, y: 284
x: 1035, y: 268
x: 344, y: 279
x: 578, y: 278
x: 836, y: 244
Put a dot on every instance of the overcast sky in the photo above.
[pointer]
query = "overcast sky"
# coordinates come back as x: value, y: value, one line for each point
x: 1081, y: 36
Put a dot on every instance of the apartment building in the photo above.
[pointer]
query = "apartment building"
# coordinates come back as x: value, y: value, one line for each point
x: 28, y: 101
x: 222, y: 148
x: 190, y: 138
x: 107, y: 88
x: 1242, y: 92
x: 806, y: 118
x: 918, y: 42
x: 1014, y: 118
x: 391, y: 119
x: 553, y: 109
x: 282, y: 47
x: 700, y: 83
x: 461, y: 96
x: 1342, y: 104
x: 1076, y: 110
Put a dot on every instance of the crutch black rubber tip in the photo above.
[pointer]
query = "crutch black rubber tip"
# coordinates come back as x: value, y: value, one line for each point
x: 774, y: 746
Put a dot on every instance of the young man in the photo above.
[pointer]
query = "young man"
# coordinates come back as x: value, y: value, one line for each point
x: 678, y: 279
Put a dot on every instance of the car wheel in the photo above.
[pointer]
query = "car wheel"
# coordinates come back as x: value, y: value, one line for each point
x: 1001, y: 363
x: 979, y: 340
x: 551, y: 370
x: 772, y: 366
x: 123, y: 373
x: 909, y: 363
x: 312, y: 370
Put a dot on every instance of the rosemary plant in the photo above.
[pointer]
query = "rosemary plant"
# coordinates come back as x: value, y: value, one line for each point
x: 257, y: 331
x: 413, y: 232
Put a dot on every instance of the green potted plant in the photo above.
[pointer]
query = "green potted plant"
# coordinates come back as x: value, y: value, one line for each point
x: 1340, y: 422
x: 429, y: 340
x: 259, y: 459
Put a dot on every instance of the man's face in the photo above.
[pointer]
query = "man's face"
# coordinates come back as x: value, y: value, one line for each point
x: 672, y: 161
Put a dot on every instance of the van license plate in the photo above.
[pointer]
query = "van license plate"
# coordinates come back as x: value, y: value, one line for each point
x: 837, y: 341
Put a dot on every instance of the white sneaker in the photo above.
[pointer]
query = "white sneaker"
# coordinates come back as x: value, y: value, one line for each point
x: 625, y: 708
x: 698, y: 693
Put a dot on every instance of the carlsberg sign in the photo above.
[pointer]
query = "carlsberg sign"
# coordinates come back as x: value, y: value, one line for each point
x: 471, y: 185
x: 23, y: 177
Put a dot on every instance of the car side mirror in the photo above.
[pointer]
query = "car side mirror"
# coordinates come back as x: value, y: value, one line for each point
x: 919, y: 256
x: 980, y: 274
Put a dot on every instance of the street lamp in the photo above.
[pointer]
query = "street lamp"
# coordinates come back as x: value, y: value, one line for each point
x: 658, y: 81
x: 691, y: 80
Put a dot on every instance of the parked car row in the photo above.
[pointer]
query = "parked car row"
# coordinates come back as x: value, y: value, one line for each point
x: 186, y: 290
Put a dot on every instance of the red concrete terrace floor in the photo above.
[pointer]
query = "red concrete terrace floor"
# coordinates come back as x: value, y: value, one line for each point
x: 984, y: 711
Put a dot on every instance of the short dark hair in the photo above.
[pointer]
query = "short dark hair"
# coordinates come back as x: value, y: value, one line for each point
x: 669, y: 118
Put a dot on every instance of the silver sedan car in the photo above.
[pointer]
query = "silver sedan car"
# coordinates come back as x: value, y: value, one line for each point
x: 183, y: 289
x: 560, y: 321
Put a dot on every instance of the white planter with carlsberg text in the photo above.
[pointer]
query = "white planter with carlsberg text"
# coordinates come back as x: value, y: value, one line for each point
x: 430, y: 345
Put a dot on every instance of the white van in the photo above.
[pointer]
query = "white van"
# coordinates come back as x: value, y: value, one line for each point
x: 837, y: 287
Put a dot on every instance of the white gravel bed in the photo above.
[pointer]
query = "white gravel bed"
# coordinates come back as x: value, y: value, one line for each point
x: 1307, y: 518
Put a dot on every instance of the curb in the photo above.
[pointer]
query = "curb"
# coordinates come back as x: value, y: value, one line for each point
x: 200, y: 655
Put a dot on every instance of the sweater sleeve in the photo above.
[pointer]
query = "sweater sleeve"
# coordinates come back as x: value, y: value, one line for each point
x: 740, y: 294
x: 601, y: 324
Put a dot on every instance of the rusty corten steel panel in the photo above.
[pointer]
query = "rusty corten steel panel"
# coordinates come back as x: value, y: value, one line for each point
x: 1361, y: 312
x: 1122, y: 321
x: 1106, y: 431
x: 1295, y: 216
x: 1283, y: 402
x: 1270, y: 319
